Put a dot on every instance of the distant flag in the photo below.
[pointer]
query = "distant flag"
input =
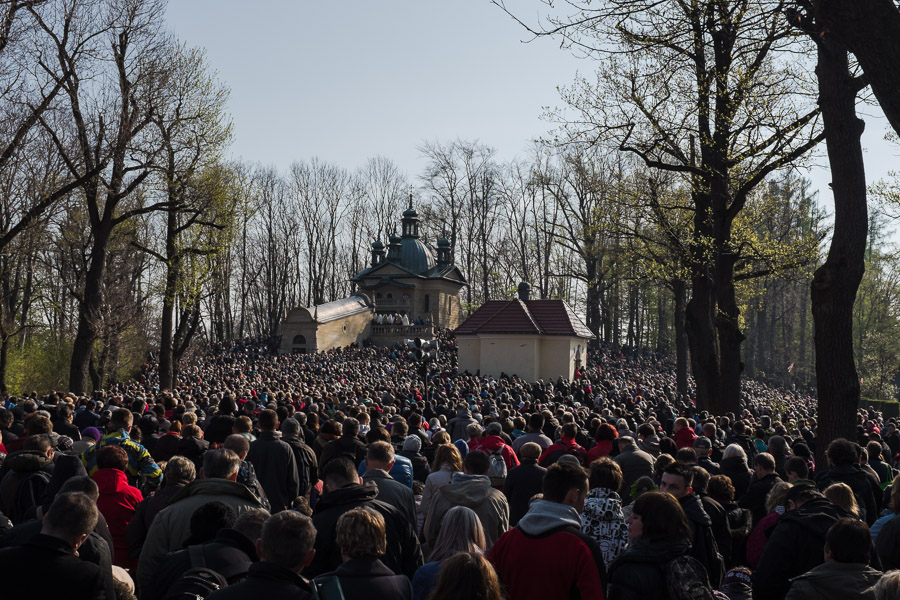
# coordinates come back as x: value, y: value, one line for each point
x: 790, y: 367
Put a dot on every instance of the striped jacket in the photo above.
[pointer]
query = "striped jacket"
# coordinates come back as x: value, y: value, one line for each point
x: 142, y: 470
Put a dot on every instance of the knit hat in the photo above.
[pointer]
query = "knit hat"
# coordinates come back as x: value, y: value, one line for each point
x: 93, y: 433
x: 412, y: 443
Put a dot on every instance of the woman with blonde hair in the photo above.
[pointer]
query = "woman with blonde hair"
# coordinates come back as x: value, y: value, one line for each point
x: 461, y: 531
x: 842, y: 495
x: 467, y: 576
x: 362, y: 537
x: 447, y: 461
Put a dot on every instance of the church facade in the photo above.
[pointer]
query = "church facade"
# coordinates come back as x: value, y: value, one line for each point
x: 407, y: 291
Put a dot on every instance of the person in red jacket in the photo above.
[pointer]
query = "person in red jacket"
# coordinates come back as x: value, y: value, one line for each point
x: 492, y: 442
x: 549, y: 537
x: 566, y: 445
x: 683, y: 434
x: 118, y: 500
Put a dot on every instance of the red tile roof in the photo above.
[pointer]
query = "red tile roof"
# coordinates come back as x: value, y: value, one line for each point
x: 546, y: 317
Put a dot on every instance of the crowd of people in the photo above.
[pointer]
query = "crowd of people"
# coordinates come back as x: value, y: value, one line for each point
x: 345, y: 475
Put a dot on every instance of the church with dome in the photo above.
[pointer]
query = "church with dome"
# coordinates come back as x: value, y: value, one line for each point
x: 407, y: 291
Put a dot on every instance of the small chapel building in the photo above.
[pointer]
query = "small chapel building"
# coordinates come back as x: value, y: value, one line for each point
x: 406, y: 292
x: 534, y: 339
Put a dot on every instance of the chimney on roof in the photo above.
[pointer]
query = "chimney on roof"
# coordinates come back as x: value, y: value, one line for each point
x: 524, y: 292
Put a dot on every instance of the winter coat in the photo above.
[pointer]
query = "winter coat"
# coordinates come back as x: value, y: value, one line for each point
x: 703, y: 539
x: 639, y: 572
x: 402, y: 470
x: 863, y: 488
x: 17, y: 467
x: 602, y: 519
x: 46, y: 566
x: 532, y: 436
x: 795, y: 546
x: 349, y: 447
x: 269, y: 581
x: 634, y: 464
x: 756, y: 543
x: 433, y: 482
x: 393, y: 492
x: 493, y: 443
x: 475, y: 492
x: 136, y: 531
x: 560, y: 449
x: 419, y: 464
x: 118, y: 502
x: 522, y: 483
x: 736, y: 469
x: 600, y: 449
x: 888, y: 544
x: 403, y: 552
x: 230, y: 554
x: 305, y: 458
x: 142, y: 470
x: 685, y: 438
x: 835, y: 581
x: 367, y: 578
x: 172, y: 526
x: 547, y: 556
x: 276, y: 468
x: 456, y: 426
x: 755, y: 498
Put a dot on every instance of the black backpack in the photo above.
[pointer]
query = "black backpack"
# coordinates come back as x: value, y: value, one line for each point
x: 29, y: 492
x: 198, y: 582
x: 686, y: 579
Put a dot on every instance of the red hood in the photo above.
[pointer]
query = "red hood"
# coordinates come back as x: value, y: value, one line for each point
x: 110, y: 481
x: 492, y: 442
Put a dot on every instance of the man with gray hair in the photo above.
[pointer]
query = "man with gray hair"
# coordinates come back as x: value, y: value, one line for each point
x: 180, y: 471
x: 48, y: 562
x: 171, y: 527
x: 285, y: 548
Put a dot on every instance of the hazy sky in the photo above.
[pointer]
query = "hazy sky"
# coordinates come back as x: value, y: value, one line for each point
x: 346, y: 80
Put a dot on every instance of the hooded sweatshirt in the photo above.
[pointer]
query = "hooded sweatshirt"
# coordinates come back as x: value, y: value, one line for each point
x: 547, y: 557
x: 471, y: 491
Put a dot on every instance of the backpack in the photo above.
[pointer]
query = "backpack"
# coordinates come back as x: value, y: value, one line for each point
x: 740, y: 524
x: 198, y: 582
x: 28, y: 495
x: 497, y: 470
x: 686, y: 579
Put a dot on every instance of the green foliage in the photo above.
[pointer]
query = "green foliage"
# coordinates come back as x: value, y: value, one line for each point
x: 42, y: 365
x: 890, y: 408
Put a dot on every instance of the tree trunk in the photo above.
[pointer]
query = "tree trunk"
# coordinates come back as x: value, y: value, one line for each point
x: 679, y: 288
x: 89, y: 312
x: 835, y: 283
x: 702, y: 341
x: 730, y: 338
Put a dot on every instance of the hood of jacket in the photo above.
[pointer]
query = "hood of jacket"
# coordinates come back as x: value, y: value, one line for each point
x: 27, y: 461
x: 467, y: 490
x: 492, y: 442
x: 110, y: 481
x: 845, y: 580
x: 464, y: 413
x: 816, y: 516
x: 353, y: 493
x: 693, y: 510
x: 543, y: 516
x: 216, y: 487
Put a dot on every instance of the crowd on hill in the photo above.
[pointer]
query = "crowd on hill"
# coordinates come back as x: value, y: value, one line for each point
x: 347, y: 474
